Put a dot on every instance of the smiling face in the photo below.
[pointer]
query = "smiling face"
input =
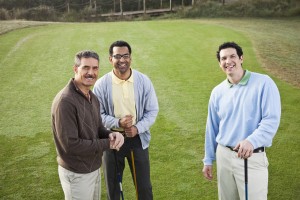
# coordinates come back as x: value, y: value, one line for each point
x: 86, y: 73
x: 121, y: 61
x: 230, y: 62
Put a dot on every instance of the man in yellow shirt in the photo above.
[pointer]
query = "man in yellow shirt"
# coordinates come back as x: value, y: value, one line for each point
x: 129, y: 104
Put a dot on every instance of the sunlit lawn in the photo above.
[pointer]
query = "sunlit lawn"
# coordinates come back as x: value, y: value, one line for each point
x: 179, y: 57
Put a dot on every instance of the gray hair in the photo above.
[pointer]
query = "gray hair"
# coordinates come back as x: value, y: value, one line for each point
x: 85, y: 54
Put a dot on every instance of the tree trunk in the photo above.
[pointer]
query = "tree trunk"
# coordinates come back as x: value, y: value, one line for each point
x: 121, y: 7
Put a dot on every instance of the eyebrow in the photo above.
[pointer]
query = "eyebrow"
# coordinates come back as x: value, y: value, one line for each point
x: 84, y: 66
x: 229, y: 55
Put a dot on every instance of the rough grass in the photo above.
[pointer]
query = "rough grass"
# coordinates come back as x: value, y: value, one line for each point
x: 179, y: 57
x: 275, y: 43
x: 10, y: 25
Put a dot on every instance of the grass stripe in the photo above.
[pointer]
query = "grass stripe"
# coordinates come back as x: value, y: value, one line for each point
x: 179, y: 57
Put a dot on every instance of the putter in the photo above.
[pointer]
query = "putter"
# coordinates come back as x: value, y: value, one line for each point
x: 119, y: 175
x: 134, y: 174
x: 246, y: 178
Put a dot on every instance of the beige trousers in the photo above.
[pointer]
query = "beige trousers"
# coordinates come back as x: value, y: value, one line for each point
x: 80, y: 186
x: 231, y: 176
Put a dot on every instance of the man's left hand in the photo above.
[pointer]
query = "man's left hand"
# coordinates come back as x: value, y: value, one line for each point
x: 131, y: 132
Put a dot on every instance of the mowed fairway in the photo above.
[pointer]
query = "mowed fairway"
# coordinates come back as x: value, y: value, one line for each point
x: 179, y: 57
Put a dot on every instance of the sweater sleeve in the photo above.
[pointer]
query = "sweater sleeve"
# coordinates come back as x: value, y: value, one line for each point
x: 212, y: 130
x: 271, y: 112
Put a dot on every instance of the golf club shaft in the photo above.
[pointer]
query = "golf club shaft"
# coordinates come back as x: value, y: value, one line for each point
x: 119, y: 175
x: 134, y: 174
x: 246, y: 178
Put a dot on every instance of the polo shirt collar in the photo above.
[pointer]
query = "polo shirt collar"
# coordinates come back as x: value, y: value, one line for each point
x: 116, y: 80
x: 244, y: 80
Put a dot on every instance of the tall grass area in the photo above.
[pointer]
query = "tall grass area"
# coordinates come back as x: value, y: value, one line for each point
x: 46, y: 11
x: 179, y: 57
x: 243, y: 8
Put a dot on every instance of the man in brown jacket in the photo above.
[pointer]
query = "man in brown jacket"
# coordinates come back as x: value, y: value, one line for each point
x: 79, y: 135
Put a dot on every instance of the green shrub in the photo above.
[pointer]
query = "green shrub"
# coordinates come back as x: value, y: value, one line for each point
x: 4, y: 14
x: 19, y: 13
x: 71, y: 16
x: 243, y: 8
x: 86, y: 14
x: 294, y: 11
x: 41, y: 13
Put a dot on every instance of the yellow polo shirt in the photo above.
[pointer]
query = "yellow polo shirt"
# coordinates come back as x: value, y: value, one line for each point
x: 123, y: 97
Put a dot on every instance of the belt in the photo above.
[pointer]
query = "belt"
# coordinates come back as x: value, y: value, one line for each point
x: 120, y: 130
x: 258, y: 150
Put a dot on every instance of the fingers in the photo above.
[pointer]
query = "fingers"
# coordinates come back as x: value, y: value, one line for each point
x: 237, y: 147
x: 126, y: 121
x: 207, y: 172
x: 111, y: 137
x: 244, y: 153
x: 131, y: 132
x: 117, y: 142
x: 245, y: 149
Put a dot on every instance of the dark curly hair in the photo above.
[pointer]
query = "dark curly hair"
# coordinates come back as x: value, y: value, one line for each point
x: 119, y: 43
x: 230, y: 45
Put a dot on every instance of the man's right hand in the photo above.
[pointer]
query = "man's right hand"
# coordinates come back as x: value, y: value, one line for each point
x: 126, y: 122
x: 207, y: 172
x: 116, y: 140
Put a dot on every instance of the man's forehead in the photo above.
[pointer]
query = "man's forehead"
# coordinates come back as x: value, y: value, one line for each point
x: 228, y: 51
x: 89, y: 61
x: 123, y: 49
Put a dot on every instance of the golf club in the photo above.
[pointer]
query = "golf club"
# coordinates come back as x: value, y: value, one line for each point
x: 246, y: 178
x: 134, y: 174
x: 119, y: 175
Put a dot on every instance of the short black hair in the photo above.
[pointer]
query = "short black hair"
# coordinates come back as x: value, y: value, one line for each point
x: 226, y: 45
x: 119, y: 43
x: 85, y: 54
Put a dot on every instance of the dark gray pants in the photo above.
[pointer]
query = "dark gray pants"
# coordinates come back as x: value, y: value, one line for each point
x: 142, y: 169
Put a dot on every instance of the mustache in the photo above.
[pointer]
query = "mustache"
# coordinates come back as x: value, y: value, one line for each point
x: 90, y: 76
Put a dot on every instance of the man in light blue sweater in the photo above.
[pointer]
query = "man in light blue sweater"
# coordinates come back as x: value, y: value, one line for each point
x: 243, y: 117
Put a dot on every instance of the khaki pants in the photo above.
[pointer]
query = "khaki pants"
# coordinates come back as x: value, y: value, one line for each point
x: 80, y: 186
x: 231, y: 178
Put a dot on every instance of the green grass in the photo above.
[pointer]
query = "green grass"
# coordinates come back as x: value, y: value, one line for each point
x: 179, y: 57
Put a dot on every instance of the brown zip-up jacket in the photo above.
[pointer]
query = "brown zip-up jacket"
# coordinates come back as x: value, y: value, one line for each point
x: 79, y: 134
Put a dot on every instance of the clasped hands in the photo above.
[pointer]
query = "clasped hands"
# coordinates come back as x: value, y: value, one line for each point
x: 127, y: 124
x: 116, y: 139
